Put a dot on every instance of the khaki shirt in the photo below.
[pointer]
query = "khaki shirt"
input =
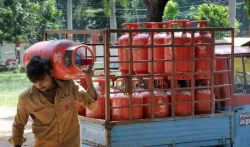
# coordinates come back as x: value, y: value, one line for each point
x: 54, y: 125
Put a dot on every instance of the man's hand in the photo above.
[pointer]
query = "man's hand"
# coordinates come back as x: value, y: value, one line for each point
x: 88, y: 71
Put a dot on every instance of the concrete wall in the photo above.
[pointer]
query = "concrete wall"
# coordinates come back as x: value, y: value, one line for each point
x: 7, y: 51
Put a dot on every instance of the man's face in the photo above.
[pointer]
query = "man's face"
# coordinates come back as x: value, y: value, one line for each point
x: 45, y: 84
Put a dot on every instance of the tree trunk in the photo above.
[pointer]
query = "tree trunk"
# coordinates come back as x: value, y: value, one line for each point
x: 113, y: 20
x: 155, y: 9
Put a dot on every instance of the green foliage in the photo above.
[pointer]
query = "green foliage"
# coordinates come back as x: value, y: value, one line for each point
x: 217, y: 15
x: 247, y: 4
x: 25, y: 20
x: 106, y: 5
x: 171, y: 11
x: 11, y: 84
x: 87, y: 17
x: 85, y: 13
x: 129, y: 15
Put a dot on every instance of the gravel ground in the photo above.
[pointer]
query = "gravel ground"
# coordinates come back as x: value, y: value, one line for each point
x: 6, y: 119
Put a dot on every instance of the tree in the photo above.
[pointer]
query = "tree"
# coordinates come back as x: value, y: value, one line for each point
x: 155, y: 9
x: 25, y: 20
x: 241, y: 10
x: 247, y: 4
x: 110, y: 9
x: 171, y: 11
x: 217, y: 15
x: 88, y: 18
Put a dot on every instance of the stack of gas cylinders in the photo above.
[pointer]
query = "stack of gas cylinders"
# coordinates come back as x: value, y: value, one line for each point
x: 177, y: 62
x: 139, y: 97
x: 170, y: 68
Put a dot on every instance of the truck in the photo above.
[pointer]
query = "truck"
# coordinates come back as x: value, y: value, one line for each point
x: 172, y: 87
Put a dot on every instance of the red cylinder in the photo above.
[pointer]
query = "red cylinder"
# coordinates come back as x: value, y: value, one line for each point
x: 158, y: 82
x: 185, y: 108
x: 223, y: 78
x: 140, y: 54
x: 202, y: 52
x: 99, y: 112
x: 120, y: 83
x: 158, y: 51
x: 123, y: 113
x: 183, y: 52
x: 203, y: 107
x: 159, y: 110
x: 123, y: 53
x: 67, y: 58
x: 101, y: 82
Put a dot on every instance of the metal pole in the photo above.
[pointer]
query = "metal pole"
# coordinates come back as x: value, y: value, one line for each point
x: 107, y: 85
x: 69, y: 15
x: 232, y: 13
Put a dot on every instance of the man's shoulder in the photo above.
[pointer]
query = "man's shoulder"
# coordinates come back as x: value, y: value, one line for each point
x: 25, y: 93
x: 62, y: 82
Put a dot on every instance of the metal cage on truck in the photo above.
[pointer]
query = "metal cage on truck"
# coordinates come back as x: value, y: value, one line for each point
x: 213, y: 128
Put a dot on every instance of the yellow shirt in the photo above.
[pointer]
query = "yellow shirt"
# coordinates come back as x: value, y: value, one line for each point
x: 54, y: 125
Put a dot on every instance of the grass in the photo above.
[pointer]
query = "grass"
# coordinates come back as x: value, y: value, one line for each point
x: 11, y: 84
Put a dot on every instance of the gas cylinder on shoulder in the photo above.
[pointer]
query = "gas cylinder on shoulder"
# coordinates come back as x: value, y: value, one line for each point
x: 68, y: 59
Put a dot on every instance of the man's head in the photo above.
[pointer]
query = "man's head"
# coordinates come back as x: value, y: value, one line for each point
x: 39, y: 72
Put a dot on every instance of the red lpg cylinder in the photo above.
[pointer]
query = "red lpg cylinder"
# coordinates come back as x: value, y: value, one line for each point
x: 120, y: 83
x: 158, y: 51
x: 223, y: 78
x: 185, y: 108
x: 140, y: 54
x: 158, y: 82
x: 67, y: 58
x: 203, y: 107
x: 80, y: 109
x: 183, y: 52
x: 202, y: 52
x: 119, y: 100
x: 123, y: 53
x: 101, y: 81
x: 99, y: 112
x: 159, y: 110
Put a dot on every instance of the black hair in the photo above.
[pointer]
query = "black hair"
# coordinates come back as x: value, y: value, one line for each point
x: 37, y: 68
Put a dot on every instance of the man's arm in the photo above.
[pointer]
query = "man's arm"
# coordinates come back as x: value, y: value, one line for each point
x: 21, y: 119
x: 84, y: 97
x: 89, y: 72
